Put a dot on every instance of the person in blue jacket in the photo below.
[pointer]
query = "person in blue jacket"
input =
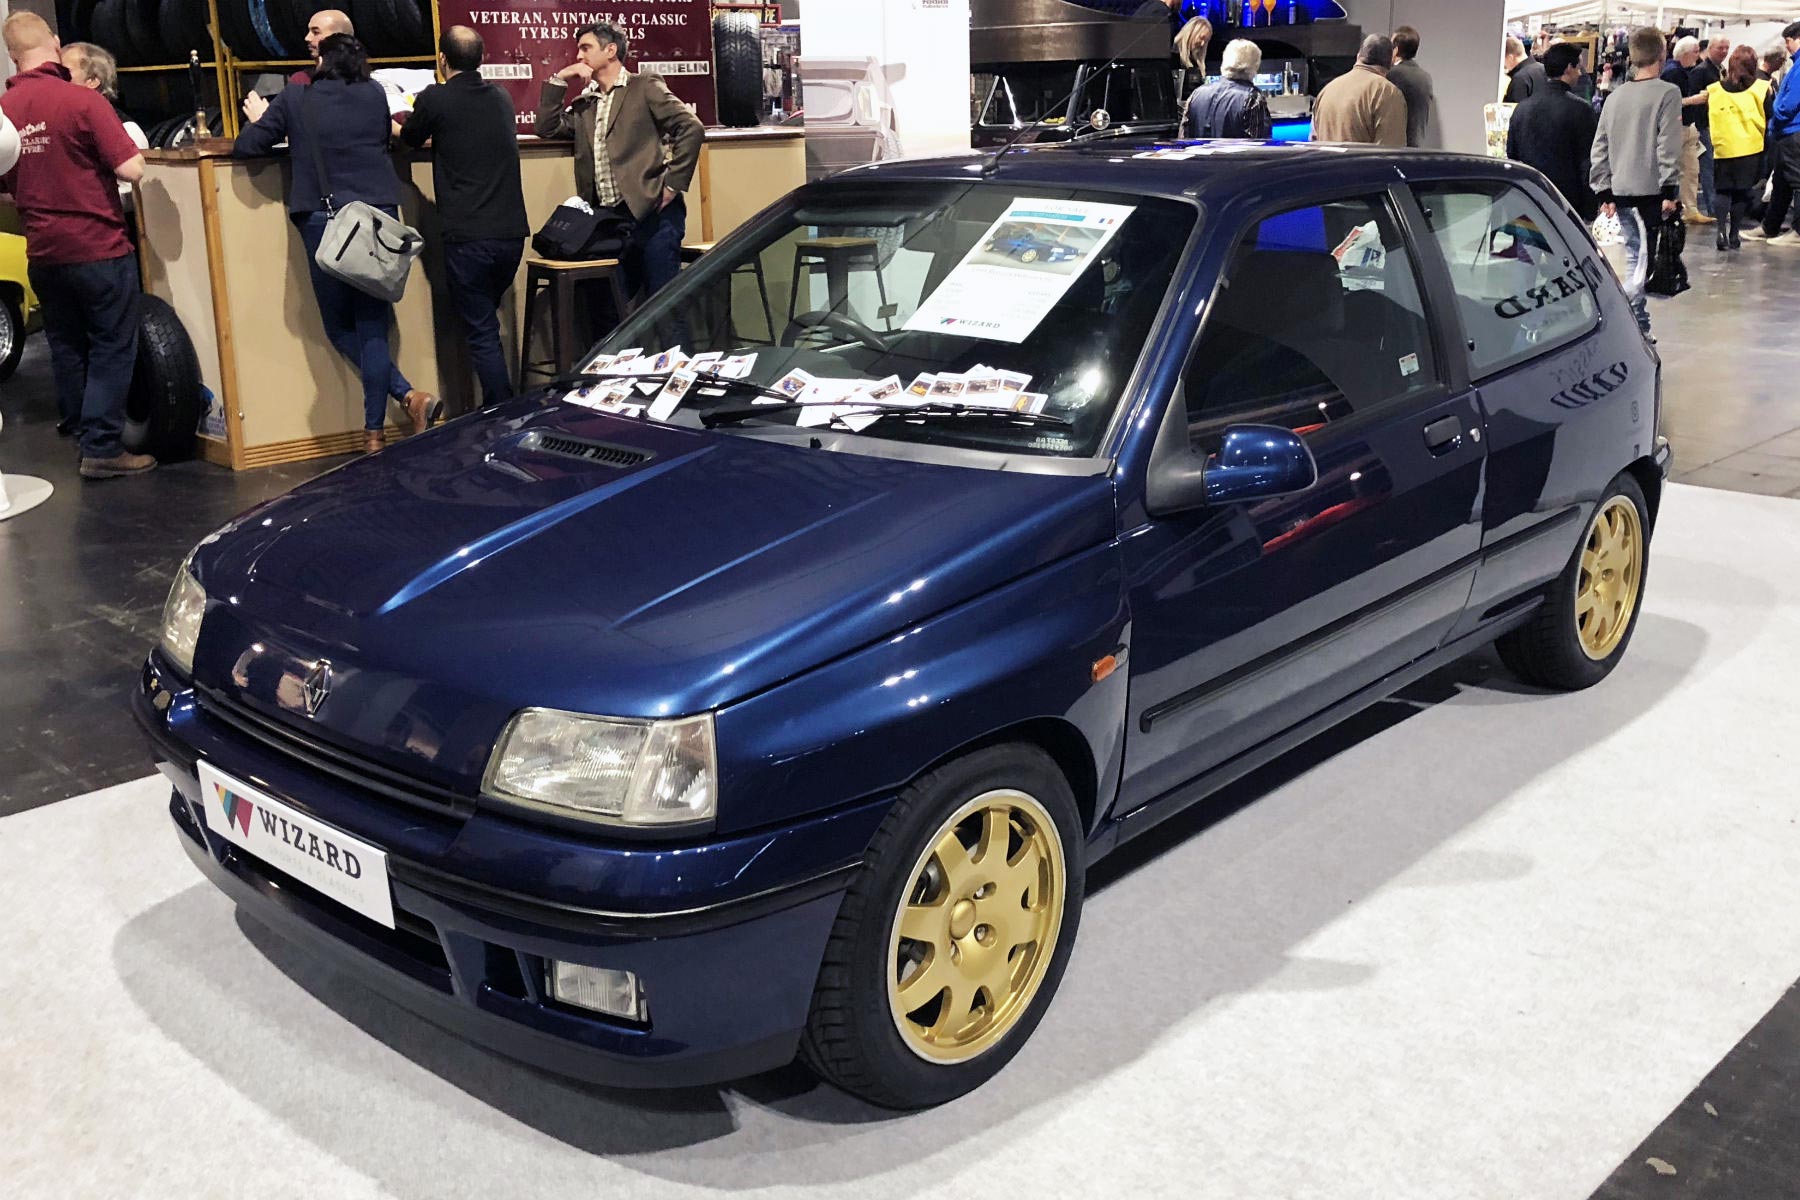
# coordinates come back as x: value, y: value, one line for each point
x: 345, y: 115
x: 1784, y: 135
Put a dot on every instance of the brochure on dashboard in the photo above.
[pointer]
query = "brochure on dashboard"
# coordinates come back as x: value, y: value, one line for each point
x: 1019, y: 269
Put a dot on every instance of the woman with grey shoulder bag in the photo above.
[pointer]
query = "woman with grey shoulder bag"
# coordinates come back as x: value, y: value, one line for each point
x: 341, y: 119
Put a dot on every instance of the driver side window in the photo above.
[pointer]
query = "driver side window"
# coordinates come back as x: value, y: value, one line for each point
x: 1320, y: 316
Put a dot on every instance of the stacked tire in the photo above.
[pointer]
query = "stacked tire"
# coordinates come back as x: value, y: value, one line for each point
x: 161, y: 32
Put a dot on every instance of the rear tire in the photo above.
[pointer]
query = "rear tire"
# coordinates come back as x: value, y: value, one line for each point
x: 737, y: 59
x: 1001, y: 956
x: 1581, y: 631
x: 163, y: 408
x: 12, y: 336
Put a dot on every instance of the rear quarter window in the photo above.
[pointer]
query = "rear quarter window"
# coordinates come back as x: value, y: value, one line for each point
x: 1519, y: 287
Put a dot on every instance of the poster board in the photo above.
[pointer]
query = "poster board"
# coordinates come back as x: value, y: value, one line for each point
x: 530, y: 40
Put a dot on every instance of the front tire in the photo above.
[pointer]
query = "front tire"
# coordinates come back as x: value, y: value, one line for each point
x: 954, y: 934
x: 1580, y: 633
x: 12, y: 336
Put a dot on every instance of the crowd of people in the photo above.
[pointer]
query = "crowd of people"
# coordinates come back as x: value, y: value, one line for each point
x: 1706, y: 133
x: 1387, y: 99
x: 635, y: 152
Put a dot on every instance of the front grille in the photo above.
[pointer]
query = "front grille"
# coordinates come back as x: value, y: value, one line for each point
x: 604, y: 453
x: 338, y: 763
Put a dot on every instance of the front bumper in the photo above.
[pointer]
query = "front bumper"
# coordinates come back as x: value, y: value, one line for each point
x: 728, y: 977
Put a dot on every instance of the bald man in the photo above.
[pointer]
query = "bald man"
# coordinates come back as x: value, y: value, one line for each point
x: 481, y: 205
x: 320, y: 26
x: 74, y: 152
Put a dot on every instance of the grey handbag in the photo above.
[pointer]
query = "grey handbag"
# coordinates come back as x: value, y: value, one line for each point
x: 363, y: 246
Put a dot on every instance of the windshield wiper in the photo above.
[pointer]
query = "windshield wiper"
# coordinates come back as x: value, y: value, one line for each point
x: 702, y: 381
x: 883, y: 409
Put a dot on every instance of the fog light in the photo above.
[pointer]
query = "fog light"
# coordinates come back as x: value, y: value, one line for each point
x: 601, y: 989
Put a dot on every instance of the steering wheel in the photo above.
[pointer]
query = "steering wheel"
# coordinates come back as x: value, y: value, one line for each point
x: 848, y: 326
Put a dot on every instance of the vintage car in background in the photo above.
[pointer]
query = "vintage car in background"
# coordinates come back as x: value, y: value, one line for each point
x: 18, y: 303
x: 660, y: 726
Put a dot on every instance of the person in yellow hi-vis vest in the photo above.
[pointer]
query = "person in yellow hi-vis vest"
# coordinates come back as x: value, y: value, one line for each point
x: 1737, y: 107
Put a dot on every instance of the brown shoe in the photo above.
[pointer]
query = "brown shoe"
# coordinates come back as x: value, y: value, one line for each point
x: 119, y: 464
x: 373, y: 441
x: 423, y: 409
x: 1700, y: 218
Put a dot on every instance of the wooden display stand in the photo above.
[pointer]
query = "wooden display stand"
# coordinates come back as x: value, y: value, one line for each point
x: 216, y: 243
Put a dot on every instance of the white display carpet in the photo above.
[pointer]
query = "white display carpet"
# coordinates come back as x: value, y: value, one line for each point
x: 1479, y: 953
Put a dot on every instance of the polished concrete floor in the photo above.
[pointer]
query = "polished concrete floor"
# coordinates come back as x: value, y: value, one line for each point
x: 1731, y: 373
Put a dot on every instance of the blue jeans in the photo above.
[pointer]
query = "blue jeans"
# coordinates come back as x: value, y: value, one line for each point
x: 1708, y: 200
x: 356, y: 324
x: 91, y: 324
x: 478, y: 274
x: 653, y: 256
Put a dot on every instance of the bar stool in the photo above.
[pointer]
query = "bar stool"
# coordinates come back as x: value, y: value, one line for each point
x: 695, y: 251
x: 838, y: 256
x: 560, y: 279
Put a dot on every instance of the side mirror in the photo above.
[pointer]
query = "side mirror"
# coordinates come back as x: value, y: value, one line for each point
x: 1255, y: 462
x: 1258, y: 462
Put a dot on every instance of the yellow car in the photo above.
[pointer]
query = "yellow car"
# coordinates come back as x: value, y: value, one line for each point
x: 17, y: 302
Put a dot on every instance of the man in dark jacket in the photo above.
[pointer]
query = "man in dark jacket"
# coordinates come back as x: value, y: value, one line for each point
x: 1524, y: 74
x: 481, y: 202
x: 1554, y: 131
x: 1415, y: 84
x: 1230, y: 106
x: 620, y: 123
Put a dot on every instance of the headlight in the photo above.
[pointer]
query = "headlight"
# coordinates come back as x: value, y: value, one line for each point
x: 181, y: 619
x: 632, y: 772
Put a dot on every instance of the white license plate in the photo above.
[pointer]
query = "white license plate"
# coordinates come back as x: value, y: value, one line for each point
x: 347, y: 869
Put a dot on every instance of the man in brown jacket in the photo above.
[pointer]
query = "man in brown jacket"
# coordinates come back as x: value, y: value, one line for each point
x: 1363, y: 106
x: 620, y: 124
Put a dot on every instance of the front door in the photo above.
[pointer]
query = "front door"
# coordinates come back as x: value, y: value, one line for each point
x: 1246, y: 620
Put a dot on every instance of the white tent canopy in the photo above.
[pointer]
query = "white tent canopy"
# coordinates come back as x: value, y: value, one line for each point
x: 1616, y: 12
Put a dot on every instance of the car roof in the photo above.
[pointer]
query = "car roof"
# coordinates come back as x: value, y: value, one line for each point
x: 1217, y: 171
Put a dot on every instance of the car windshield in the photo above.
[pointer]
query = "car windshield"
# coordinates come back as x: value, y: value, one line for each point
x: 981, y: 316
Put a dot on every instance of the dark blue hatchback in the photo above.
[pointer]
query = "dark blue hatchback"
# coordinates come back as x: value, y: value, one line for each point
x: 767, y: 689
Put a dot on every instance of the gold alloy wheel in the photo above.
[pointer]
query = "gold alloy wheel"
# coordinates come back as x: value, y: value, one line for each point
x: 1612, y: 573
x: 976, y: 927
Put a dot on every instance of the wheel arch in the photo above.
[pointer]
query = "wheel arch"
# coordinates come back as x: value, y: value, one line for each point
x: 1067, y: 747
x: 1649, y: 479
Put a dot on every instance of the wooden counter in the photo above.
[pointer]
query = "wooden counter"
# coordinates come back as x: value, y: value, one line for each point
x: 216, y: 243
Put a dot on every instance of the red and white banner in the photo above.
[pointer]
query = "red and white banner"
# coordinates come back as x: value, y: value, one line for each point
x: 531, y: 40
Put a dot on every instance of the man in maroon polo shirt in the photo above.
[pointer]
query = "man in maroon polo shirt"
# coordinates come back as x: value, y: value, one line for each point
x: 74, y: 152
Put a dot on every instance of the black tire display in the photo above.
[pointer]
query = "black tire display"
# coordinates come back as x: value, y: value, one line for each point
x: 238, y: 32
x: 108, y: 30
x: 287, y: 19
x: 183, y: 24
x: 164, y: 405
x: 12, y: 336
x: 143, y: 28
x: 81, y: 21
x: 1581, y: 631
x: 856, y: 1037
x: 737, y: 68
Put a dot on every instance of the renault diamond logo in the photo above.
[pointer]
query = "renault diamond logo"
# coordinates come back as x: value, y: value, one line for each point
x: 316, y: 687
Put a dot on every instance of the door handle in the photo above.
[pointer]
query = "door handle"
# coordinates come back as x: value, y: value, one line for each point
x: 1443, y: 435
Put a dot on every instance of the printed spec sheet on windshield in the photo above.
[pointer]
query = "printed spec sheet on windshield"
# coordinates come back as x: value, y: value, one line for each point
x: 1017, y: 271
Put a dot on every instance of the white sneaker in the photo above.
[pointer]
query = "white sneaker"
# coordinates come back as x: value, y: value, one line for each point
x: 1790, y: 238
x: 1754, y: 234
